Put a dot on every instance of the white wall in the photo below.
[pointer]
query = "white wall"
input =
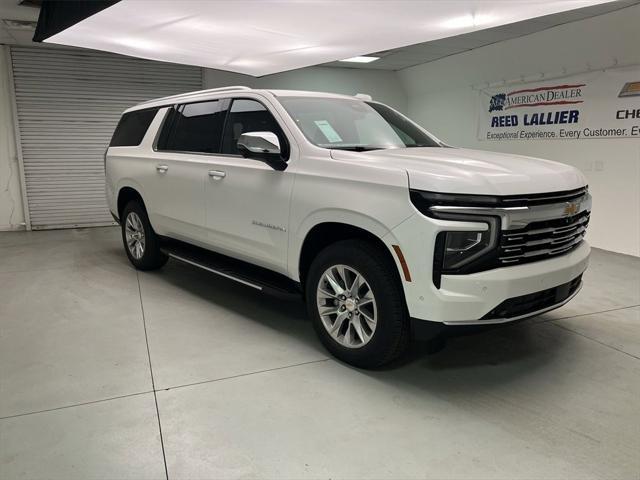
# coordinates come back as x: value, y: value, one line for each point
x: 440, y: 98
x: 11, y: 210
x: 381, y: 85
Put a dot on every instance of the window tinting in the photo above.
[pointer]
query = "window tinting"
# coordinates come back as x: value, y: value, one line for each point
x: 249, y: 116
x: 194, y: 127
x: 132, y: 127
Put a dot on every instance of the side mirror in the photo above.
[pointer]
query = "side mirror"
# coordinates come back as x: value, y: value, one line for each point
x: 263, y: 146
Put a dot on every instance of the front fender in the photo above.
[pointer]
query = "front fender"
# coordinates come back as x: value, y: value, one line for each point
x: 333, y: 215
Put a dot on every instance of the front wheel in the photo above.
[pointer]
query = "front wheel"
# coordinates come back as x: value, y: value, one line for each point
x: 355, y: 301
x: 140, y: 241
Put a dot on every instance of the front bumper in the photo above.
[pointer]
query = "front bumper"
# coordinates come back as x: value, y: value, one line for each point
x: 511, y: 310
x: 469, y: 299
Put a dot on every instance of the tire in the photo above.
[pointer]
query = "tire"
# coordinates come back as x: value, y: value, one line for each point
x: 361, y: 343
x: 143, y: 246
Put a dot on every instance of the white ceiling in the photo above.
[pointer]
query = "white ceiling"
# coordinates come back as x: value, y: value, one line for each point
x: 397, y: 59
x: 327, y: 24
x: 269, y: 36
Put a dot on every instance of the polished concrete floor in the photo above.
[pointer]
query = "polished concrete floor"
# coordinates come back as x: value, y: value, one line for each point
x: 110, y: 373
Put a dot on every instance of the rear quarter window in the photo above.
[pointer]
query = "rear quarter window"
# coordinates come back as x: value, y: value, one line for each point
x: 132, y: 128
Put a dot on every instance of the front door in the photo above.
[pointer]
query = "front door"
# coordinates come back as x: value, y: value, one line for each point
x: 247, y: 202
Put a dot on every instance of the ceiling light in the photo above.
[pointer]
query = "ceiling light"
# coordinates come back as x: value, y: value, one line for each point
x: 137, y: 43
x: 468, y: 21
x: 361, y: 59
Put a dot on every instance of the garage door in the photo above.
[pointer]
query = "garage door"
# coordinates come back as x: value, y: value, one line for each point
x: 68, y: 104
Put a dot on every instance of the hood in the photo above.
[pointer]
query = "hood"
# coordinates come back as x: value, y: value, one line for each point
x: 459, y: 170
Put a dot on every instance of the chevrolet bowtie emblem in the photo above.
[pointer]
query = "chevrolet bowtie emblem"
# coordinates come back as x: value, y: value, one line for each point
x: 571, y: 209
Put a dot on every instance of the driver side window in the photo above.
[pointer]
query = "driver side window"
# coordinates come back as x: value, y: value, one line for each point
x: 248, y: 116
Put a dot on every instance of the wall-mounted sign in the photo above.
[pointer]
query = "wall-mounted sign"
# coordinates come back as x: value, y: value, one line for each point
x: 604, y: 104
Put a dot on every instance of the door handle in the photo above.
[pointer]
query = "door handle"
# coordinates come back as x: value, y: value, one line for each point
x: 217, y: 174
x: 162, y: 168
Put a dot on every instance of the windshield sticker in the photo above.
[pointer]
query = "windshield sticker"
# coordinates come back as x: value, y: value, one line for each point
x: 328, y: 131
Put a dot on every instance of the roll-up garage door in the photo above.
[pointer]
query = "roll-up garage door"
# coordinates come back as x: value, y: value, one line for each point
x: 68, y: 104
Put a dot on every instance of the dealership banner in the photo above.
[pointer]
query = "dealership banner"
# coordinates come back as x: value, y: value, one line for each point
x: 602, y: 104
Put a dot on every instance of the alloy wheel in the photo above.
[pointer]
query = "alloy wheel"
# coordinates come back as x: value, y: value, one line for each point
x: 134, y: 234
x: 347, y: 306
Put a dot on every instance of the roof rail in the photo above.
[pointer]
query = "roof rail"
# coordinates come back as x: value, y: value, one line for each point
x: 198, y: 92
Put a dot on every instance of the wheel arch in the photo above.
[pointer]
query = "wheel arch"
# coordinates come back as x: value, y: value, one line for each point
x: 126, y: 193
x: 323, y: 234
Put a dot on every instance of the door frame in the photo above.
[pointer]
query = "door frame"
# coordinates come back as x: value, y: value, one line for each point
x: 16, y: 130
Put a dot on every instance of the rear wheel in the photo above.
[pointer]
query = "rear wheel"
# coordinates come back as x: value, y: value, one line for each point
x: 140, y: 241
x: 355, y: 301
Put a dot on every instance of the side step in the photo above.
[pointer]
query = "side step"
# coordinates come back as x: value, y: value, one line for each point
x: 245, y: 273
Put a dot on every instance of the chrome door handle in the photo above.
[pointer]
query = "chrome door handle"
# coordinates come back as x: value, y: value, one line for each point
x: 162, y: 168
x: 217, y: 174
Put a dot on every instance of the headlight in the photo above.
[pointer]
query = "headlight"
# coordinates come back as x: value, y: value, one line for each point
x: 465, y: 251
x: 461, y: 248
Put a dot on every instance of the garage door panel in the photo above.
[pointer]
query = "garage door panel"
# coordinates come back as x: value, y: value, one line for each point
x: 68, y: 104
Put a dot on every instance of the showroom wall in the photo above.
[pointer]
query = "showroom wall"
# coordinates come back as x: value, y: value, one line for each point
x: 11, y: 211
x: 441, y: 97
x: 380, y: 84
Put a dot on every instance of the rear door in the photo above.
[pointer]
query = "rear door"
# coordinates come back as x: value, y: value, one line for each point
x: 190, y: 135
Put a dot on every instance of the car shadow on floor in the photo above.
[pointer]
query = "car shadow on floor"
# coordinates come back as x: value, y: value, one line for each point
x: 284, y: 315
x: 486, y: 361
x: 497, y: 355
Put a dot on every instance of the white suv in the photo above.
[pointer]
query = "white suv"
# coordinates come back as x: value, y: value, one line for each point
x: 386, y: 231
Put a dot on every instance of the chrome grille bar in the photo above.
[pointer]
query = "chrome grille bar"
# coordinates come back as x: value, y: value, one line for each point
x: 556, y: 237
x: 568, y: 228
x: 550, y: 198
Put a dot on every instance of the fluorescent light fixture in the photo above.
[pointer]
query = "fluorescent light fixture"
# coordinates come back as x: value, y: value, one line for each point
x: 361, y: 59
x: 467, y: 21
x: 270, y: 36
x: 138, y: 44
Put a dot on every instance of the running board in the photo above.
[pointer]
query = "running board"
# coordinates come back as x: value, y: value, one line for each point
x: 245, y: 273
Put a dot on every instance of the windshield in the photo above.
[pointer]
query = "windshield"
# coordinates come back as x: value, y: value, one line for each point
x: 347, y: 124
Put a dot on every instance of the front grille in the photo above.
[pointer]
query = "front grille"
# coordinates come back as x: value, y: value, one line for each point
x: 542, y: 240
x: 425, y: 201
x: 534, y: 302
x: 543, y: 198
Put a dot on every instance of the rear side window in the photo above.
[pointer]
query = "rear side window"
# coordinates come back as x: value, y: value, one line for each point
x: 132, y: 128
x: 194, y: 127
x: 249, y: 116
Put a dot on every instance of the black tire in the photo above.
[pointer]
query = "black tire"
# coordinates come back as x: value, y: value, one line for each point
x: 391, y: 336
x: 152, y: 257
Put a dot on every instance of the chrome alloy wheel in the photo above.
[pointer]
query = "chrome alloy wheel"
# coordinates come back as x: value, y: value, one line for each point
x: 347, y: 306
x: 134, y: 233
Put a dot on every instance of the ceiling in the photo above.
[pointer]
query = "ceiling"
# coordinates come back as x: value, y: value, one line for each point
x: 392, y: 59
x: 405, y: 57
